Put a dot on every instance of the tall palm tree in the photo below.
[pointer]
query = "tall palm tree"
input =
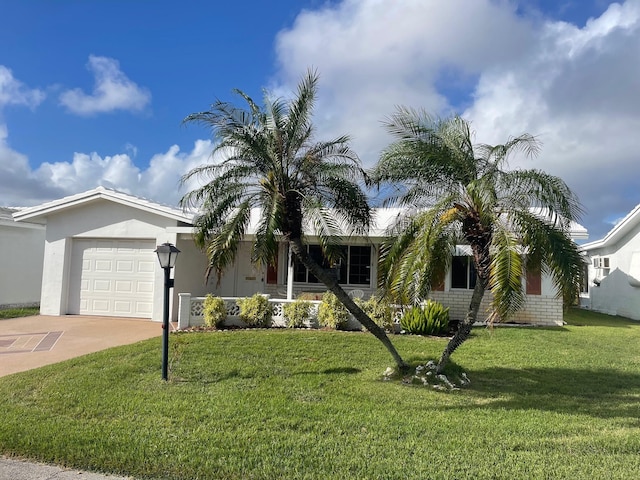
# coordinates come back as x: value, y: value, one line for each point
x: 513, y: 220
x: 269, y: 160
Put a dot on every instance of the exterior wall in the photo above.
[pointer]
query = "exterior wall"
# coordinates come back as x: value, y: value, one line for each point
x: 99, y: 219
x: 544, y: 309
x: 539, y: 309
x: 618, y: 292
x: 191, y: 266
x: 21, y: 279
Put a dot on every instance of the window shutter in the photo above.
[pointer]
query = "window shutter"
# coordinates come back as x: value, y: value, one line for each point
x: 534, y: 282
x: 272, y: 273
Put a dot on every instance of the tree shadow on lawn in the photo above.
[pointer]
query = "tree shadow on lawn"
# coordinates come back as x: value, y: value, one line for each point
x: 604, y: 393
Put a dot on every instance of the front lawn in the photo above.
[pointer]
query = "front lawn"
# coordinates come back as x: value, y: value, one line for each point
x: 543, y: 403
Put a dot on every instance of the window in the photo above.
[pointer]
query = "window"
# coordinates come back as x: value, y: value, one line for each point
x: 463, y: 273
x: 584, y: 279
x: 601, y: 264
x: 354, y: 269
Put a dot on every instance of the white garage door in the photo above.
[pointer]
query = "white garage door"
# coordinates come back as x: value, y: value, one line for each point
x: 112, y: 277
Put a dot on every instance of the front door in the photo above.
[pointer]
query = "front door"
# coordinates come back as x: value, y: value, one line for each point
x: 249, y: 280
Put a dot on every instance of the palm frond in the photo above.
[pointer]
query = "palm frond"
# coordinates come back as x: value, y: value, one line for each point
x: 505, y: 279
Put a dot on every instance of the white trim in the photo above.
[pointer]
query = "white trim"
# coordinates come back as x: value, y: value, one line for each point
x: 618, y: 231
x: 98, y: 193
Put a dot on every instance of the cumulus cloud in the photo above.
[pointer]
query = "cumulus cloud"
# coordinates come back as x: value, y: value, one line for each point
x: 14, y: 92
x: 576, y: 89
x: 21, y: 185
x: 508, y: 70
x: 160, y: 181
x: 112, y: 91
x: 374, y: 55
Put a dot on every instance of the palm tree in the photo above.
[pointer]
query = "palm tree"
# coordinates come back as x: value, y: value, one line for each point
x: 270, y: 161
x: 513, y: 220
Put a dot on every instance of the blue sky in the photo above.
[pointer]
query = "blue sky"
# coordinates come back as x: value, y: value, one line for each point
x: 94, y: 92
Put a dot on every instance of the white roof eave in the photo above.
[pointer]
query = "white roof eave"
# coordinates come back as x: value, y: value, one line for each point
x: 45, y: 209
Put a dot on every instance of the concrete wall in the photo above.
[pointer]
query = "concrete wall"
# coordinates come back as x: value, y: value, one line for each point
x: 21, y: 277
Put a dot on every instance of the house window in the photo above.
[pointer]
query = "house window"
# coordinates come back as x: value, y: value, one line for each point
x: 354, y: 269
x: 584, y: 279
x: 463, y: 273
x: 601, y: 264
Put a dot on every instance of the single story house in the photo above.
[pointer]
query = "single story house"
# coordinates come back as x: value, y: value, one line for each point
x: 22, y: 247
x: 100, y: 260
x: 612, y: 270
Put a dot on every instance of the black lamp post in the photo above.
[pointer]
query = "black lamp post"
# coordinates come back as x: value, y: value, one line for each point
x: 167, y: 254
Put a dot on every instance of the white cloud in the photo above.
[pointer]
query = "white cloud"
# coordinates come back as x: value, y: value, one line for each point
x: 160, y: 181
x: 577, y: 88
x: 20, y: 185
x: 113, y: 90
x: 14, y: 92
x: 373, y: 55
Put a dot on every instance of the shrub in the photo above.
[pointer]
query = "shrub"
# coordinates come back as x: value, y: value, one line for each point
x: 255, y: 311
x: 331, y: 313
x: 215, y: 311
x: 379, y: 311
x: 296, y: 312
x: 432, y: 319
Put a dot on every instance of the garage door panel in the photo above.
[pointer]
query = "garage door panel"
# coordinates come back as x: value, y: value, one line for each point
x: 144, y: 308
x: 146, y: 266
x: 144, y: 287
x: 112, y: 277
x: 125, y: 265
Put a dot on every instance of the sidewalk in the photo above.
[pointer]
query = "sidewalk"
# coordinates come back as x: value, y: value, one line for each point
x: 11, y: 469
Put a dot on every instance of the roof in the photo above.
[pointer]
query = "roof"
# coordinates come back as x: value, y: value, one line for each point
x: 382, y: 219
x: 100, y: 193
x: 623, y: 227
x: 6, y: 219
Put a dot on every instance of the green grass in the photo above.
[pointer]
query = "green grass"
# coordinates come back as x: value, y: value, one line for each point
x: 18, y: 312
x: 543, y: 403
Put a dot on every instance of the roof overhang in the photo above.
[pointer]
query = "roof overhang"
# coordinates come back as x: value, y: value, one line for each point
x: 40, y: 212
x: 623, y: 227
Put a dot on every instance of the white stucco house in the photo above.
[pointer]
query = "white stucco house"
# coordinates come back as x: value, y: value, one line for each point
x: 99, y: 260
x: 612, y: 270
x: 22, y: 244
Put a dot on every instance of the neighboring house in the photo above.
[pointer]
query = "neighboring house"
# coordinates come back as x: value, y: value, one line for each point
x: 612, y: 270
x: 100, y: 260
x: 22, y: 247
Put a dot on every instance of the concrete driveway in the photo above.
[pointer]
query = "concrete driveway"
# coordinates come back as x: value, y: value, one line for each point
x: 31, y: 342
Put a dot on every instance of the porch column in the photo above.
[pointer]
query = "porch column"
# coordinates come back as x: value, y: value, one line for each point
x: 290, y: 275
x: 184, y: 310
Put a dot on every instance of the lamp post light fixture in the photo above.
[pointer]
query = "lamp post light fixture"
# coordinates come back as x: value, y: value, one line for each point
x: 167, y: 254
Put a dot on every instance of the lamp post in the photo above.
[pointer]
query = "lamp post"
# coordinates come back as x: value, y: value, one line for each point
x: 167, y: 254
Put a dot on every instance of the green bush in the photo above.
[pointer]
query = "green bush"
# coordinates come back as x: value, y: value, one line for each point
x: 255, y: 311
x: 332, y: 313
x: 432, y: 319
x: 379, y: 311
x: 296, y: 313
x: 214, y: 311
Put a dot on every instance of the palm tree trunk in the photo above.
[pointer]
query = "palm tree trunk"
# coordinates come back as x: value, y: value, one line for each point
x: 464, y: 328
x: 332, y: 284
